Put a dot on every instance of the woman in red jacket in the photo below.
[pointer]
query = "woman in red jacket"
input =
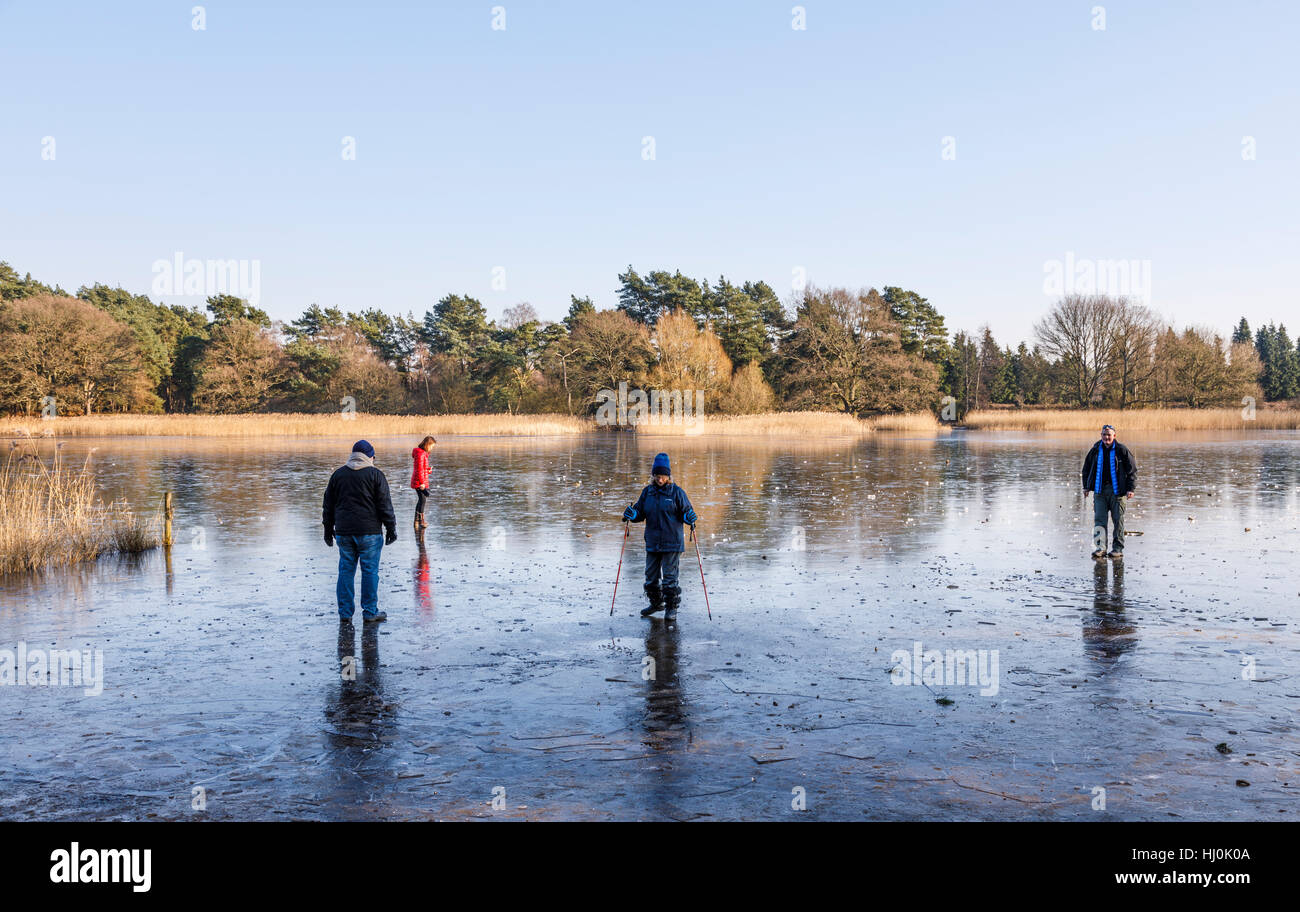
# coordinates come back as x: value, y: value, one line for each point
x: 420, y: 478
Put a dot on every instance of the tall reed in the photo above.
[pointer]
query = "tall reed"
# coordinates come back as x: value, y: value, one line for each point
x: 53, y: 515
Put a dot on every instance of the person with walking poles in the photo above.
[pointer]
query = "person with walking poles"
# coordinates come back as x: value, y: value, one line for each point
x: 357, y: 510
x: 663, y: 507
x: 1110, y: 474
x: 420, y: 478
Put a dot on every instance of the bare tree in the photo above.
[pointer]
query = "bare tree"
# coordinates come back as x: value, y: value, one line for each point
x: 239, y: 370
x: 689, y: 358
x: 72, y: 350
x: 519, y: 315
x: 1197, y: 368
x: 612, y: 347
x: 1079, y: 332
x: 1133, y: 354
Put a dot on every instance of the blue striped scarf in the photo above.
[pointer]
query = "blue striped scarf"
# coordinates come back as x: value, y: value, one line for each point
x: 1114, y: 476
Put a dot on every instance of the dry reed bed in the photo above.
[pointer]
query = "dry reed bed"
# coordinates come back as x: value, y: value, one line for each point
x: 774, y: 424
x: 1222, y: 419
x: 299, y: 425
x: 52, y: 515
x: 793, y: 424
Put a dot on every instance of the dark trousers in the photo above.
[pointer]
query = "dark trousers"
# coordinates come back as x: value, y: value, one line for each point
x: 1107, y: 504
x: 421, y: 495
x: 662, y: 563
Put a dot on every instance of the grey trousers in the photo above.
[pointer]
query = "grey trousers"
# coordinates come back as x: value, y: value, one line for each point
x: 1108, y: 504
x: 662, y: 562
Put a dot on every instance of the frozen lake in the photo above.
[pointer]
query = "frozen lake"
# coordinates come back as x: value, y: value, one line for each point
x: 1161, y: 684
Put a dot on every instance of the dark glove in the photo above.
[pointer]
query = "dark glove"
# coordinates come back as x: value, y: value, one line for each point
x: 629, y: 515
x: 390, y: 536
x: 329, y: 538
x: 690, y: 518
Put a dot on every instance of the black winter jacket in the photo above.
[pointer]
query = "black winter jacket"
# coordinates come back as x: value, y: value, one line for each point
x: 1125, y: 467
x: 357, y: 502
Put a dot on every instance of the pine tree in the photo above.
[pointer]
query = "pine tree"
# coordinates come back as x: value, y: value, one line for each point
x: 635, y: 297
x: 921, y: 326
x: 457, y: 326
x: 735, y: 317
x: 1288, y: 365
x: 1280, y: 374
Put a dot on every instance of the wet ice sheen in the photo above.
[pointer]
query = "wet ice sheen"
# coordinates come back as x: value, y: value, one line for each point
x: 499, y: 667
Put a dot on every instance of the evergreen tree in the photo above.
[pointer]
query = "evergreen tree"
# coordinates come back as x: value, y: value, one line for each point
x: 921, y: 326
x: 776, y: 322
x: 161, y: 332
x: 636, y: 298
x: 960, y: 372
x: 1280, y: 372
x: 316, y: 323
x: 577, y: 307
x: 13, y: 286
x: 457, y: 326
x: 1242, y: 332
x: 1288, y: 365
x: 737, y: 321
x: 228, y: 308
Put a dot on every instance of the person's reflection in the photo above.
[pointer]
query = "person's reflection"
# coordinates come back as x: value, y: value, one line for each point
x: 666, y: 723
x: 359, y: 722
x: 423, y: 580
x: 1107, y: 633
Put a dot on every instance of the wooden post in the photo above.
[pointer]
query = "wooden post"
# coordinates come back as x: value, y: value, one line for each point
x: 167, y: 519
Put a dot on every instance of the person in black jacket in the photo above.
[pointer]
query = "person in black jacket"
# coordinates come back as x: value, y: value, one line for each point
x: 357, y: 509
x: 663, y: 507
x: 1110, y: 473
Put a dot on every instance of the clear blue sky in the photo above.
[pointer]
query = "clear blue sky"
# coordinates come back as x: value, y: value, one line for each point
x: 775, y: 148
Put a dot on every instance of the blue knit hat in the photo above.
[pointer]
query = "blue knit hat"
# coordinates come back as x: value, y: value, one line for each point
x: 362, y: 446
x: 661, y: 466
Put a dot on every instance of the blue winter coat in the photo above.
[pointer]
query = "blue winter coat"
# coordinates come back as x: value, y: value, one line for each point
x: 663, y: 510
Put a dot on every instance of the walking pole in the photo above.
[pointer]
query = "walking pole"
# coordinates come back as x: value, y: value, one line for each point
x: 620, y: 568
x: 695, y: 538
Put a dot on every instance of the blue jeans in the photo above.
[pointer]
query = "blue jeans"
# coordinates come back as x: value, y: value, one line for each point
x: 364, y: 549
x: 664, y: 562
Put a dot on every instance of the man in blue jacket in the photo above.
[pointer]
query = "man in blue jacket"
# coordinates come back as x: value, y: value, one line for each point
x: 1110, y: 474
x: 357, y: 509
x: 663, y: 507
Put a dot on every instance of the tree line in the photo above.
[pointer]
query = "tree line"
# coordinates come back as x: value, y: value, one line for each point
x: 863, y: 352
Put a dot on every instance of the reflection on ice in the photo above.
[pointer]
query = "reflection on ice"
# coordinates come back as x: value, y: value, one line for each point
x: 499, y: 666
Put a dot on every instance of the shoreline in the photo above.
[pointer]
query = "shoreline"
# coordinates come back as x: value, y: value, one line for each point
x: 774, y: 424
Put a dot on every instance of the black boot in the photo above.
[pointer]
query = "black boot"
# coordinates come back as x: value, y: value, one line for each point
x: 656, y: 600
x: 672, y: 599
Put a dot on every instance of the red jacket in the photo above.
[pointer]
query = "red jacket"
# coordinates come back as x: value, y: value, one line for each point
x: 420, y: 473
